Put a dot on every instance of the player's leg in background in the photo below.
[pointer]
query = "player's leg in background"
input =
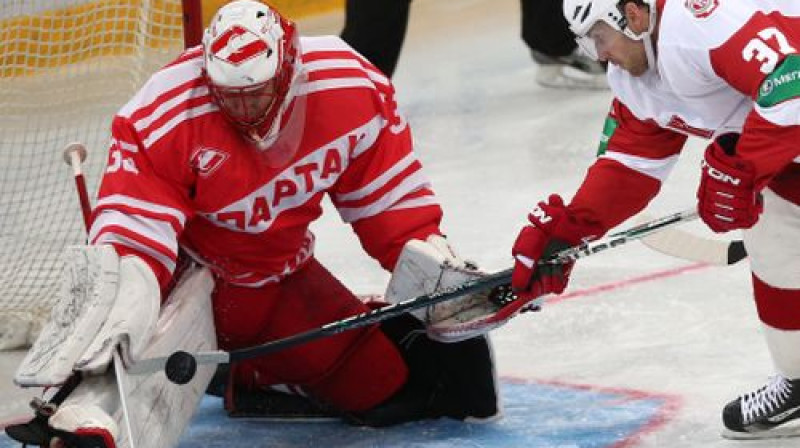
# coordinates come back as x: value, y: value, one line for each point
x: 377, y: 29
x: 775, y: 262
x: 561, y: 64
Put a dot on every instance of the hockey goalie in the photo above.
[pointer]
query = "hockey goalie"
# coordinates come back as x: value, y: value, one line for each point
x: 224, y: 157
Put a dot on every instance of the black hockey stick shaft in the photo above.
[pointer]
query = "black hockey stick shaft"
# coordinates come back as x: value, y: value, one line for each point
x: 181, y: 365
x: 377, y: 315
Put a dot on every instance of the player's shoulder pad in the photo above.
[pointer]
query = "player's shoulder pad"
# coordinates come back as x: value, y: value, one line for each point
x: 338, y: 54
x: 181, y: 76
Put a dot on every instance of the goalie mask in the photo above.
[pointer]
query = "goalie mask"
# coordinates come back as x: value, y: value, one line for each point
x: 592, y: 20
x: 252, y: 62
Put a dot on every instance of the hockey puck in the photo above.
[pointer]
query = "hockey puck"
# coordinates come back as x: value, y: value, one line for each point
x: 180, y: 367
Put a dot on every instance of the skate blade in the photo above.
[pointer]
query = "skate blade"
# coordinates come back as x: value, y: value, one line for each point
x: 561, y: 76
x: 788, y: 430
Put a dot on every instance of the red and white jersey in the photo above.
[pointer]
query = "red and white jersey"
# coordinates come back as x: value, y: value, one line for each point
x: 722, y: 66
x: 180, y: 175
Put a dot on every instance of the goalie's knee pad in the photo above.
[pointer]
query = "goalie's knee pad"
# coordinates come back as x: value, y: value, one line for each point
x: 455, y: 380
x: 467, y: 389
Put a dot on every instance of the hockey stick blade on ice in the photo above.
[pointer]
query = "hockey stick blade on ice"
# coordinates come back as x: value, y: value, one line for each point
x: 691, y: 247
x: 180, y: 366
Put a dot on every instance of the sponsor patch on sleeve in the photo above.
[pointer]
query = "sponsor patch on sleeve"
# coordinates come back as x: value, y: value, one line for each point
x: 608, y: 130
x: 781, y: 85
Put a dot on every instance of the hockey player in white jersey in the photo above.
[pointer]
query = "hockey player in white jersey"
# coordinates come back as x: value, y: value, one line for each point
x: 226, y: 155
x: 726, y: 71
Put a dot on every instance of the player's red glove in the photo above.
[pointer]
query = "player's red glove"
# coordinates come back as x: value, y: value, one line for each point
x: 727, y: 198
x: 551, y: 230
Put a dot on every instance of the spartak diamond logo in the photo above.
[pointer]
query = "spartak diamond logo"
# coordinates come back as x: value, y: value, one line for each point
x: 206, y: 160
x: 238, y: 44
x: 701, y: 8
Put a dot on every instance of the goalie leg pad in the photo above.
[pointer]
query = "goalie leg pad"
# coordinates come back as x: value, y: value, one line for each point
x: 455, y: 380
x: 461, y: 374
x: 159, y: 409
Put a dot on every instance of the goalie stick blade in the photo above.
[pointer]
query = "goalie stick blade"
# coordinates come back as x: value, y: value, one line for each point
x: 276, y: 406
x: 34, y: 432
x: 688, y: 246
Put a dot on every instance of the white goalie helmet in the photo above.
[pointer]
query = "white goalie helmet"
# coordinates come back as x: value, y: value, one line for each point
x: 583, y: 15
x: 251, y: 63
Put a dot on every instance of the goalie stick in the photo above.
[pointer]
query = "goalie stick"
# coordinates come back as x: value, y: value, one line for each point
x: 691, y: 247
x: 38, y: 431
x: 181, y: 366
x: 75, y: 155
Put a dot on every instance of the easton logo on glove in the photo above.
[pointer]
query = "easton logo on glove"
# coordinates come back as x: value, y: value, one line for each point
x: 719, y: 175
x: 727, y: 197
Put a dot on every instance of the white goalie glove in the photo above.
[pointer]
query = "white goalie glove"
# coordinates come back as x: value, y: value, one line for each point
x: 108, y: 316
x: 429, y: 266
x: 105, y: 302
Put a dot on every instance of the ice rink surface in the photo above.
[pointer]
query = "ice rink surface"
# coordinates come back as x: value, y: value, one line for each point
x: 634, y: 323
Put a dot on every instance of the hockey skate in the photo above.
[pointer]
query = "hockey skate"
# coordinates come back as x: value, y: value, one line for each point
x: 770, y: 412
x: 39, y: 432
x: 574, y: 71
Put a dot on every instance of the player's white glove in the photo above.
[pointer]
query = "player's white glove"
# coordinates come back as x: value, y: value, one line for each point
x: 429, y: 266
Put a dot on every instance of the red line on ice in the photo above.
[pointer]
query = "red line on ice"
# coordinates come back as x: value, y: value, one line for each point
x: 658, y: 275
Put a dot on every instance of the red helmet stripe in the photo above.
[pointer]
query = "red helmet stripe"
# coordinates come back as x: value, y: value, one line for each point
x: 238, y: 44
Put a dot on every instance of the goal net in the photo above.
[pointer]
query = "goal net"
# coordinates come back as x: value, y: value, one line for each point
x: 66, y: 66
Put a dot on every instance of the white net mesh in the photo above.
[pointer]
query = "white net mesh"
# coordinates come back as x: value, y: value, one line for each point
x: 66, y: 66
